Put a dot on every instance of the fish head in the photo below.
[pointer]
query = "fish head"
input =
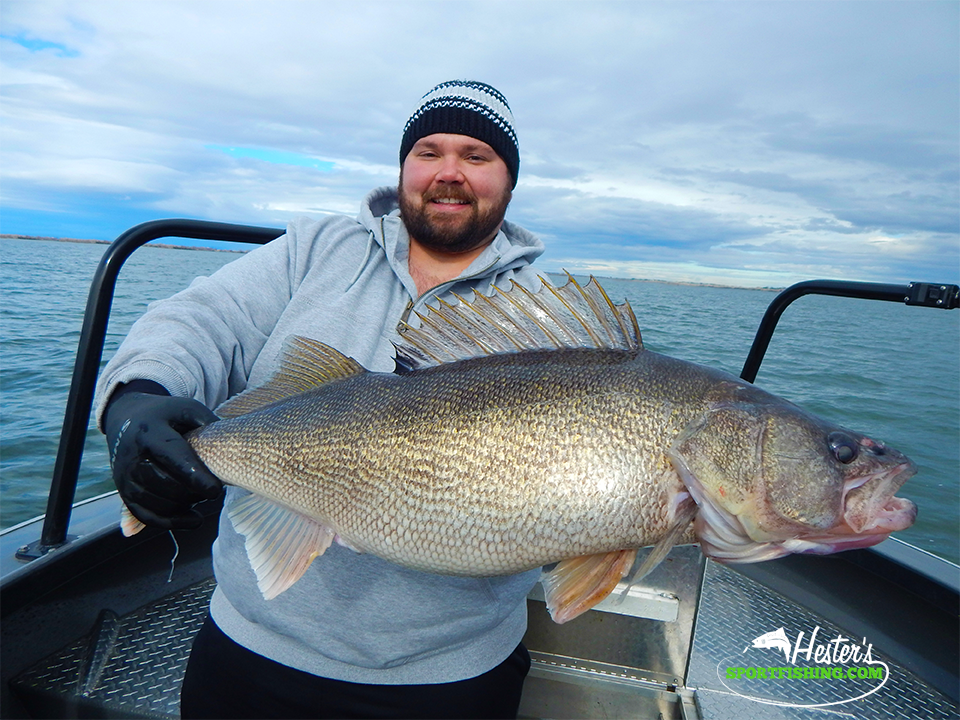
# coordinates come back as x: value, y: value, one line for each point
x: 771, y: 479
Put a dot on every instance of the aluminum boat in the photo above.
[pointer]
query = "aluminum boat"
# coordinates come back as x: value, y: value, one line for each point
x: 95, y: 625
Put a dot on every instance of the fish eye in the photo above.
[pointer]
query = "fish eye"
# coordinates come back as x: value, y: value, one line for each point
x: 845, y: 448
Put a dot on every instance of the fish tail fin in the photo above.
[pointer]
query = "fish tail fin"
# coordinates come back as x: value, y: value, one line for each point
x: 129, y: 525
x: 576, y: 585
x: 280, y: 543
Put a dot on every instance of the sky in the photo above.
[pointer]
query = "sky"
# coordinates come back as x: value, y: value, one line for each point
x: 744, y: 143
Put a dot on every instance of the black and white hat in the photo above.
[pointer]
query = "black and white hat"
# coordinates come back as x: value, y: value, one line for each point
x: 463, y: 107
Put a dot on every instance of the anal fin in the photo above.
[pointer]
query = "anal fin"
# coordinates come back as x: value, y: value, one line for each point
x: 280, y: 543
x: 129, y: 525
x: 576, y: 585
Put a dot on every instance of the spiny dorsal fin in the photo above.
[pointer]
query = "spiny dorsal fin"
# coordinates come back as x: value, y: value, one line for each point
x: 305, y: 365
x: 572, y: 316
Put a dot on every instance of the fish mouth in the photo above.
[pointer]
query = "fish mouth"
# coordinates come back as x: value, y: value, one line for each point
x: 898, y: 514
x: 871, y: 512
x: 869, y: 505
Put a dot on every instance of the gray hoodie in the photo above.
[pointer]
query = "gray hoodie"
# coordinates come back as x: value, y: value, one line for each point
x: 346, y: 283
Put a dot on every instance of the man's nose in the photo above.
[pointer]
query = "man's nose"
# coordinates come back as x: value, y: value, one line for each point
x: 450, y: 171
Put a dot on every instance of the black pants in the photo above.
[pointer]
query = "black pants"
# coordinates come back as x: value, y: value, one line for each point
x: 225, y: 680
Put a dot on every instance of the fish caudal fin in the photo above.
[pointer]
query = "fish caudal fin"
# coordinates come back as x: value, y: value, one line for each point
x: 280, y: 543
x: 576, y: 585
x: 572, y: 316
x: 129, y: 525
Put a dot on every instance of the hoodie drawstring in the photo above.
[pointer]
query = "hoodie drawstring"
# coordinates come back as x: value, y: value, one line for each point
x: 371, y: 241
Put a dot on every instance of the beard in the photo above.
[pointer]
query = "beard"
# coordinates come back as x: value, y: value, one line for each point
x: 450, y: 234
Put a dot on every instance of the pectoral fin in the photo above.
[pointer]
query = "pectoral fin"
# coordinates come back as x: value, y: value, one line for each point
x: 280, y: 543
x: 681, y: 522
x: 576, y: 585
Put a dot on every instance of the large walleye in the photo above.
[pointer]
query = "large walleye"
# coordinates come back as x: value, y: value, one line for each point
x: 525, y: 429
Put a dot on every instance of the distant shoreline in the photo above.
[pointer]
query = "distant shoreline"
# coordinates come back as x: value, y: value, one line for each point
x: 107, y: 242
x: 682, y: 283
x: 547, y: 272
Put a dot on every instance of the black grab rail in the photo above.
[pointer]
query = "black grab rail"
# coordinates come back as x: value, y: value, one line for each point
x: 916, y: 293
x: 76, y: 417
x: 93, y: 333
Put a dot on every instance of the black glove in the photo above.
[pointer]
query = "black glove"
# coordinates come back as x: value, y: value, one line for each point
x: 158, y: 474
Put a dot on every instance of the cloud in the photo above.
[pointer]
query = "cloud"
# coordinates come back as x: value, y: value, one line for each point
x: 750, y: 141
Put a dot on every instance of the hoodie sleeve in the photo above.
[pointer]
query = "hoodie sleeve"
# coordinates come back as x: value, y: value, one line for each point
x: 202, y: 342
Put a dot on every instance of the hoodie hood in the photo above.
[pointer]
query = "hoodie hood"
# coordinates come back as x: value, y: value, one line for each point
x: 379, y: 202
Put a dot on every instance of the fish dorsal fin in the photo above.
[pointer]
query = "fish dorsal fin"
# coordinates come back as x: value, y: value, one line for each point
x: 572, y: 316
x: 305, y: 365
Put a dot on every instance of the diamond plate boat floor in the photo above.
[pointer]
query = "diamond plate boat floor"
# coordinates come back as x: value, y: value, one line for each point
x: 132, y: 667
x: 734, y: 611
x: 129, y: 667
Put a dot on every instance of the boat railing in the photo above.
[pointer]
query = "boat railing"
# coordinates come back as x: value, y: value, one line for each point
x: 93, y: 332
x: 100, y: 299
x: 932, y: 295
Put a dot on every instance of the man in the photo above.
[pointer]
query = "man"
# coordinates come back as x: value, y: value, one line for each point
x: 356, y: 636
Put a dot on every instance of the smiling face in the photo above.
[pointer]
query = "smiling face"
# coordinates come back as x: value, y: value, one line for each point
x: 454, y: 192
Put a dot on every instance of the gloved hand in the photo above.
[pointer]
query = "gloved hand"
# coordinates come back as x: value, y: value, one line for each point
x: 158, y: 474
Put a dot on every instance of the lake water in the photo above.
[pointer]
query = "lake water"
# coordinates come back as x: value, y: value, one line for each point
x: 884, y: 369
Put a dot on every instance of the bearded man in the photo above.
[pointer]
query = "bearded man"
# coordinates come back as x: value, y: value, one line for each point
x: 356, y: 636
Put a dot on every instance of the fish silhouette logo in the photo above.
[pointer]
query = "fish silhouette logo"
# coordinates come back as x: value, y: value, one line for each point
x: 837, y: 659
x: 776, y: 639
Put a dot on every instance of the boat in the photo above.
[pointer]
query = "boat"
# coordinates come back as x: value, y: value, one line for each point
x: 96, y: 625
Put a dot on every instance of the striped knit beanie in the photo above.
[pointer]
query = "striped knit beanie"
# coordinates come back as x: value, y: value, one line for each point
x: 462, y: 107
